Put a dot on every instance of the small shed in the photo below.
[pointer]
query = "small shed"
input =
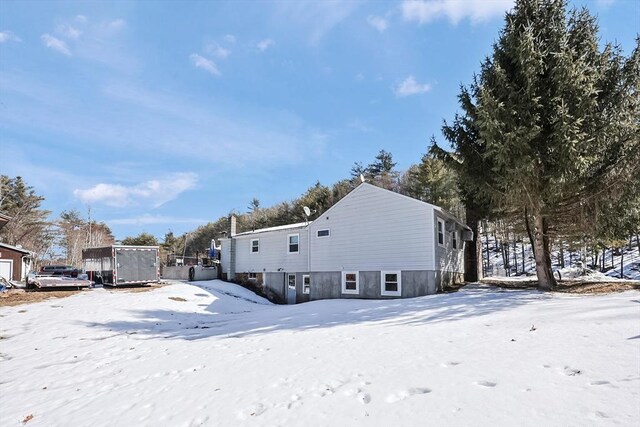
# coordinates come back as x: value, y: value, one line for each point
x: 15, y: 262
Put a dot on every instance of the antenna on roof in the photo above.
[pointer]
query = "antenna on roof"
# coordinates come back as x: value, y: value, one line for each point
x: 307, y: 212
x: 362, y: 178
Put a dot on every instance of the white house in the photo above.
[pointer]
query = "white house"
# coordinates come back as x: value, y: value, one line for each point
x: 374, y: 243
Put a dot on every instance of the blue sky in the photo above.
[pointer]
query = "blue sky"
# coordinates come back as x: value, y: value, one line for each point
x: 167, y: 115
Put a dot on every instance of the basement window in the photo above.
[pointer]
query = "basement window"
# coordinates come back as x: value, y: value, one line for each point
x: 391, y: 283
x: 291, y: 279
x: 440, y: 232
x: 253, y: 276
x: 294, y: 243
x: 323, y: 233
x: 306, y: 284
x: 255, y: 246
x: 350, y: 283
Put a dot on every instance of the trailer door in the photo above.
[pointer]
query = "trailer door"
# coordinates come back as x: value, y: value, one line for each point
x: 136, y: 265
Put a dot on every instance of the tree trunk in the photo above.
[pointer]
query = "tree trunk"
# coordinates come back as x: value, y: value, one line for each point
x: 529, y: 232
x: 546, y: 281
x: 638, y: 242
x: 622, y: 264
x: 523, y: 269
x: 486, y: 238
x: 561, y: 255
x: 472, y: 250
x: 515, y: 255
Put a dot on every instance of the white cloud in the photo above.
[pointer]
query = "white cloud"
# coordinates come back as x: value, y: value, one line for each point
x: 69, y: 31
x: 81, y: 19
x: 6, y: 36
x: 147, y: 219
x: 117, y: 24
x: 230, y: 38
x: 425, y: 11
x: 377, y: 22
x: 604, y: 4
x: 216, y: 50
x: 265, y: 44
x: 157, y: 192
x: 55, y: 44
x: 317, y: 18
x: 411, y: 87
x: 204, y: 63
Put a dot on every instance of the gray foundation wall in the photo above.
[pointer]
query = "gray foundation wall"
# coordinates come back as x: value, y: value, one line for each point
x: 328, y: 285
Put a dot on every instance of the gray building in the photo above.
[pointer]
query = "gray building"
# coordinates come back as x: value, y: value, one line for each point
x: 374, y: 243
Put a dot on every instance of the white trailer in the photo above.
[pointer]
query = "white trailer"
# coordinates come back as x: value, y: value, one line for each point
x: 120, y: 265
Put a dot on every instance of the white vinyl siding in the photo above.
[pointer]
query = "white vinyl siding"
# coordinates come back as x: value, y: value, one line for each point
x: 273, y: 255
x: 306, y: 284
x: 255, y: 246
x: 447, y: 258
x: 391, y: 283
x: 350, y: 282
x: 372, y: 230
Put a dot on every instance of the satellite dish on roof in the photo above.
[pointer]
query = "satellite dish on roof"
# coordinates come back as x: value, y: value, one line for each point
x: 307, y: 211
x: 362, y: 178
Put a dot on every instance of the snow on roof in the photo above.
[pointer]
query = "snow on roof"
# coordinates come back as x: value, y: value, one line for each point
x: 280, y: 227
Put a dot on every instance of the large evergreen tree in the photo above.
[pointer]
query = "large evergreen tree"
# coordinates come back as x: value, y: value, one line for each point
x: 28, y: 225
x: 558, y: 117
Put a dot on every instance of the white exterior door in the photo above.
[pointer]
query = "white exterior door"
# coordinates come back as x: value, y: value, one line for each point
x: 6, y: 268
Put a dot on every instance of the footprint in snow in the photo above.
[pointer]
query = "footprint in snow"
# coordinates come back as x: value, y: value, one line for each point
x: 364, y: 398
x: 599, y: 382
x: 449, y: 364
x: 402, y: 395
x: 570, y: 372
x: 254, y: 410
x: 488, y: 384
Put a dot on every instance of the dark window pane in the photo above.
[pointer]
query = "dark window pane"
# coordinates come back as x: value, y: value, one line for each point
x: 350, y: 277
x: 391, y: 287
x: 390, y: 277
x: 351, y: 286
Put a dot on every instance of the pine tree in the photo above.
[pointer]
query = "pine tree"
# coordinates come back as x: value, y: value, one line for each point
x: 28, y: 225
x: 553, y: 116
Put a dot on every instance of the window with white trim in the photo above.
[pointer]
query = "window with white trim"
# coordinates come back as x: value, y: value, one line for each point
x: 350, y: 282
x: 293, y: 246
x: 291, y: 279
x: 440, y: 232
x: 391, y: 283
x: 253, y: 276
x: 323, y: 233
x: 454, y: 236
x: 306, y: 284
x: 255, y: 246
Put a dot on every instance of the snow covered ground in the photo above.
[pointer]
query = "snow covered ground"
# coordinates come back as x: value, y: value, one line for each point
x: 214, y: 354
x: 629, y: 256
